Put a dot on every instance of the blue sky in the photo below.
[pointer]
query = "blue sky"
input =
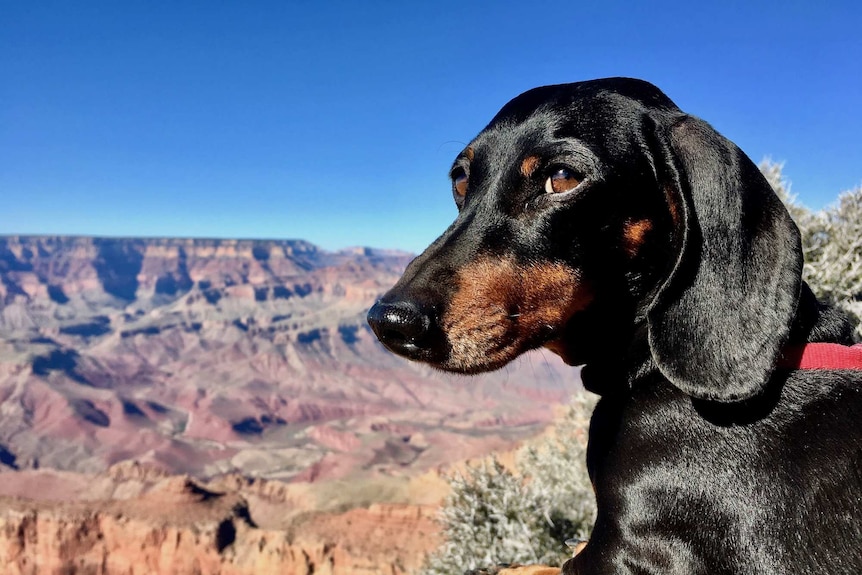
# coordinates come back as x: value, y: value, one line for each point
x: 336, y: 122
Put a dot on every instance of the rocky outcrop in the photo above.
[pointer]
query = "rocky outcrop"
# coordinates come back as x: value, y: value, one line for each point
x: 61, y: 268
x: 182, y: 527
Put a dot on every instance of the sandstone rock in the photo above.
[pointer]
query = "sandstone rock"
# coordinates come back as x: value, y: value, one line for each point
x: 180, y: 526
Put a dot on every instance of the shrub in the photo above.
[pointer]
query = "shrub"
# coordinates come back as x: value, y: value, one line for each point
x: 831, y: 243
x: 495, y: 515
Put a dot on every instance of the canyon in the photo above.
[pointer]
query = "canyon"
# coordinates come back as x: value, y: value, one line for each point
x: 165, y: 400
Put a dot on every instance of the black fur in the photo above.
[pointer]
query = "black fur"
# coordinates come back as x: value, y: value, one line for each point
x: 705, y: 458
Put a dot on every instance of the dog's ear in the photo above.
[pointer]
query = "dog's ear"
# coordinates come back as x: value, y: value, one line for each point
x: 719, y: 321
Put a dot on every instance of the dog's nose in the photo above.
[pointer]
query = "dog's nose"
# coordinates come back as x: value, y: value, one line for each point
x: 402, y: 327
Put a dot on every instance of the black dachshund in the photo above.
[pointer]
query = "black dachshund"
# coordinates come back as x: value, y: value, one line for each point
x: 598, y: 220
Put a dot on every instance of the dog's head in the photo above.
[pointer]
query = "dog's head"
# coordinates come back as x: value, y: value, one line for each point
x: 593, y: 214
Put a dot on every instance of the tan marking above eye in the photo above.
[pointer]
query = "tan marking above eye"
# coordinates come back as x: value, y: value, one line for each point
x: 561, y: 181
x: 634, y: 235
x: 459, y: 183
x: 468, y: 152
x: 529, y: 165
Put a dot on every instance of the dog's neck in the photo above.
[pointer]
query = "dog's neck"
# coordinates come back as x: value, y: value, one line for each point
x: 820, y: 339
x: 619, y: 372
x: 631, y: 361
x: 816, y: 321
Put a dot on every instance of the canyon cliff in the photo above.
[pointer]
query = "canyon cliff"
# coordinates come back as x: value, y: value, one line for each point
x: 223, y: 366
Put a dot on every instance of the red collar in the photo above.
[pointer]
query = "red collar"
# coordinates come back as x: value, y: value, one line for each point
x: 821, y: 356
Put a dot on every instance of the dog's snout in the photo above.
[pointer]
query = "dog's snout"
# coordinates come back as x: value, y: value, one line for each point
x: 398, y: 321
x: 403, y: 327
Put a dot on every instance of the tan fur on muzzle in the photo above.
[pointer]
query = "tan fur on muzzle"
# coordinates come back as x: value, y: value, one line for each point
x: 501, y: 309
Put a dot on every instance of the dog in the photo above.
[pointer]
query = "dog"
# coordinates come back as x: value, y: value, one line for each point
x: 599, y: 221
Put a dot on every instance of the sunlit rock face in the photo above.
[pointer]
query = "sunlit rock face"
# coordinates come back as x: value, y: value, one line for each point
x: 138, y: 520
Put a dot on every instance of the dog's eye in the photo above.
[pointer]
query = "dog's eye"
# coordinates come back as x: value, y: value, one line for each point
x: 562, y: 180
x: 459, y: 183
